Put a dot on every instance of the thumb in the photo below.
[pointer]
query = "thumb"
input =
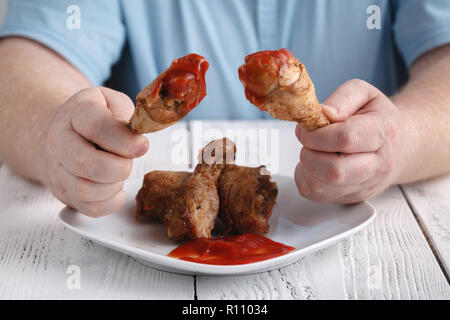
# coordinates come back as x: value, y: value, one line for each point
x: 119, y: 104
x: 346, y: 100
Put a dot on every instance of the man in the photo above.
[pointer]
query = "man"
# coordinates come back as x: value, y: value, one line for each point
x: 55, y: 52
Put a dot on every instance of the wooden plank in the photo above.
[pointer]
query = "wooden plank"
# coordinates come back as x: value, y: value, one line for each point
x: 37, y: 252
x: 391, y: 258
x: 430, y: 201
x: 388, y: 260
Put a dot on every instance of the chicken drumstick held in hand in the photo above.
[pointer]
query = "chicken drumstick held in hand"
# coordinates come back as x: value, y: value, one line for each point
x: 171, y: 96
x: 277, y: 82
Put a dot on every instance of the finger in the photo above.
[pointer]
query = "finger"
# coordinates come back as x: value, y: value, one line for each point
x: 317, y: 190
x: 348, y: 99
x: 82, y: 159
x: 99, y: 119
x: 119, y: 104
x: 360, y: 133
x: 339, y: 169
x: 102, y: 208
x: 366, y: 193
x: 54, y: 185
x: 352, y: 198
x: 85, y: 190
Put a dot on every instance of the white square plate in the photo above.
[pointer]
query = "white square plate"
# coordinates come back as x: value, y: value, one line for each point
x: 295, y: 221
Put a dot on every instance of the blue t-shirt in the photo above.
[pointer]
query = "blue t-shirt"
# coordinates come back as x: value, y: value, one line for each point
x: 135, y: 40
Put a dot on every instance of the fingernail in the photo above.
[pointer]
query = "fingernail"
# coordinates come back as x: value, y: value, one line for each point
x: 142, y: 149
x: 298, y: 131
x: 304, y: 189
x: 330, y: 111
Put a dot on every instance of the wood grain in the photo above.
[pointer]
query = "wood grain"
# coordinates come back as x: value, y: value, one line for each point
x: 390, y: 259
x: 36, y: 250
x: 430, y: 201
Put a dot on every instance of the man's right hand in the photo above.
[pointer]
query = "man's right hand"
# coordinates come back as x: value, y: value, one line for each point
x: 88, y: 152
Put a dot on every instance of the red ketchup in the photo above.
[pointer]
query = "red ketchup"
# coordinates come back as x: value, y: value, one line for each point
x: 230, y: 250
x: 260, y: 73
x: 184, y: 80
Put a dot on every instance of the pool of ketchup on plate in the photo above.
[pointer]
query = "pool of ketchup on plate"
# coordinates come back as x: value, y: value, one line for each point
x: 230, y: 250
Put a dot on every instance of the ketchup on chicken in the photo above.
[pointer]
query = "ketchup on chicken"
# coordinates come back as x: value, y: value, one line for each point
x: 184, y: 80
x: 260, y: 73
x: 230, y: 250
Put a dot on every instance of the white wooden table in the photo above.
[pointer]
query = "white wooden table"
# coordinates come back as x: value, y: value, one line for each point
x: 403, y: 254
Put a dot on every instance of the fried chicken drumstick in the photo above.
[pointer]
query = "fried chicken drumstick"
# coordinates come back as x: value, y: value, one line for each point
x: 277, y: 82
x: 188, y: 204
x: 155, y: 196
x: 195, y: 203
x: 171, y: 96
x: 246, y: 199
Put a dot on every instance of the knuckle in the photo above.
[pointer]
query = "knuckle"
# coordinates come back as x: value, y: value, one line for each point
x: 120, y: 202
x: 127, y: 168
x: 390, y: 131
x: 303, y: 189
x: 342, y: 101
x: 302, y: 135
x: 117, y: 189
x: 362, y: 172
x: 356, y: 83
x: 132, y: 148
x: 345, y: 140
x: 120, y: 186
x: 336, y: 173
x: 317, y: 186
x: 94, y: 209
x: 387, y: 166
x: 52, y: 138
x: 83, y: 164
x: 86, y: 99
x: 83, y: 190
x: 93, y: 126
x: 87, y: 102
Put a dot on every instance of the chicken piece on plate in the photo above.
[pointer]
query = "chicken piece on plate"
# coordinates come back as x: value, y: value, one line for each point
x: 187, y: 203
x: 196, y: 201
x: 218, y: 152
x: 155, y: 195
x: 194, y: 206
x: 277, y: 82
x: 247, y: 196
x: 171, y: 96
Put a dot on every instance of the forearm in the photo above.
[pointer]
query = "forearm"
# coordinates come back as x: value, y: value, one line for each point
x: 35, y: 82
x: 425, y: 104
